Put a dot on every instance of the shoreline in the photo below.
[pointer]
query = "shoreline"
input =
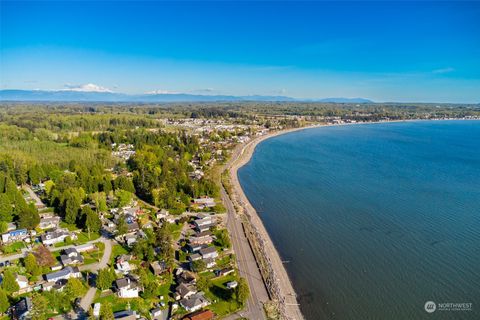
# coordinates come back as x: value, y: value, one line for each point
x: 284, y: 292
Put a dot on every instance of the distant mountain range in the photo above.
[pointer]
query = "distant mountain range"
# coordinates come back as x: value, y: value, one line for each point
x: 93, y: 96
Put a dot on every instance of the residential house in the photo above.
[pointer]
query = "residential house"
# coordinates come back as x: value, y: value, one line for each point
x: 208, y: 252
x: 125, y: 315
x: 159, y: 314
x: 200, y: 315
x: 232, y: 284
x: 201, y: 238
x: 49, y: 222
x: 205, y: 223
x: 204, y: 202
x: 194, y: 257
x: 22, y: 281
x: 86, y: 247
x: 15, y: 235
x: 184, y: 291
x: 194, y: 302
x: 127, y: 287
x: 71, y: 257
x: 21, y: 309
x: 162, y: 214
x: 159, y: 267
x: 193, y: 247
x: 50, y: 238
x: 122, y: 264
x: 187, y: 277
x: 209, y: 263
x: 224, y: 272
x: 96, y: 309
x: 65, y: 273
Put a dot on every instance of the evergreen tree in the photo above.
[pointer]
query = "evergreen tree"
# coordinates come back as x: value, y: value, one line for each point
x: 28, y: 217
x: 31, y: 265
x: 4, y: 304
x: 8, y: 282
x: 6, y: 208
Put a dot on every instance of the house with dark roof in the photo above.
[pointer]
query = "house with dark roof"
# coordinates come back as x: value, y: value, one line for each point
x: 194, y: 302
x: 127, y: 287
x: 159, y: 267
x: 184, y: 290
x: 21, y: 309
x: 71, y: 257
x: 208, y: 252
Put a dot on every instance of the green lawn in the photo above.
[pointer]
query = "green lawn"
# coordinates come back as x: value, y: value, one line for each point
x: 13, y: 247
x: 116, y: 251
x: 94, y: 256
x: 175, y: 230
x: 82, y: 237
x: 223, y: 299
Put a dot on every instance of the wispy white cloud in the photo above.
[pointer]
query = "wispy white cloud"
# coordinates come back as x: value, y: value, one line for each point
x: 89, y: 87
x: 443, y: 70
x: 160, y: 91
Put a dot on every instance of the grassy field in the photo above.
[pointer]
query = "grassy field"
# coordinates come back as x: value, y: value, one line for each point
x: 13, y: 247
x: 223, y: 300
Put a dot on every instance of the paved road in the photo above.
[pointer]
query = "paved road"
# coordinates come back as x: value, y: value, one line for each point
x: 33, y: 195
x: 87, y: 299
x: 247, y: 265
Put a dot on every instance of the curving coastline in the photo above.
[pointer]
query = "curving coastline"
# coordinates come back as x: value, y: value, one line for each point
x: 279, y: 284
x: 283, y: 291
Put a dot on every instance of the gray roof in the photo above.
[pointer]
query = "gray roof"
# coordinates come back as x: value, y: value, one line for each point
x: 184, y: 289
x: 207, y: 250
x: 61, y: 273
x: 194, y: 300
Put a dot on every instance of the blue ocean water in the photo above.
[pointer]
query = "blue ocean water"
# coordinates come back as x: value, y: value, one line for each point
x: 374, y: 219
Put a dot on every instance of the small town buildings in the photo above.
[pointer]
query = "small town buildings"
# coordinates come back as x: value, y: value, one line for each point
x: 159, y: 314
x: 159, y: 267
x: 205, y: 223
x: 21, y: 309
x: 224, y: 272
x: 50, y: 238
x: 96, y: 309
x: 122, y: 264
x: 127, y: 287
x: 130, y: 239
x: 125, y: 315
x: 86, y: 247
x: 200, y: 315
x: 232, y: 284
x: 71, y: 257
x: 209, y: 263
x: 204, y: 202
x: 201, y: 238
x: 194, y: 257
x: 14, y: 235
x: 22, y: 281
x: 194, y: 302
x: 184, y: 291
x: 193, y: 247
x: 49, y: 222
x: 162, y: 214
x: 208, y: 252
x: 187, y: 277
x: 65, y: 273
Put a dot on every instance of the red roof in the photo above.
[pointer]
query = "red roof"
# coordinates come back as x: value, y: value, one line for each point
x: 200, y: 315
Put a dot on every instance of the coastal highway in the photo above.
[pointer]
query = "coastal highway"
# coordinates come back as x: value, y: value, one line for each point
x: 247, y: 266
x: 283, y: 289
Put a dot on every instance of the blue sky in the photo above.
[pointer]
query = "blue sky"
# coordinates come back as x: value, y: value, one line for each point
x: 385, y: 51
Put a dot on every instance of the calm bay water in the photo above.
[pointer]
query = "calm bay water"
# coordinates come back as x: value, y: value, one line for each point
x: 375, y: 219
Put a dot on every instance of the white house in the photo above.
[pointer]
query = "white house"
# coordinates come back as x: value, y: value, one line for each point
x: 65, y: 273
x: 127, y: 288
x: 22, y: 281
x: 195, y: 302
